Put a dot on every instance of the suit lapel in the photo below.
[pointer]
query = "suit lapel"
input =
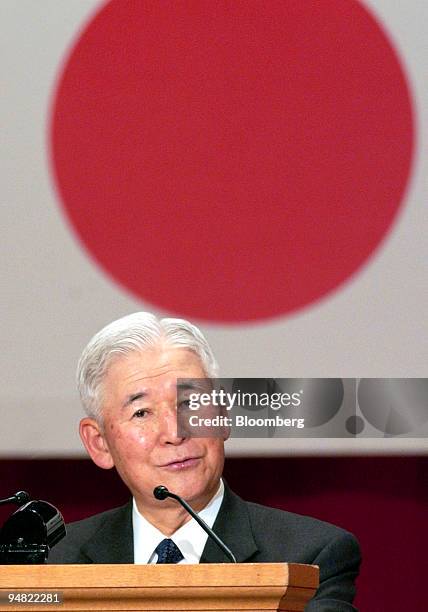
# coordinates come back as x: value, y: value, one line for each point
x: 233, y: 526
x: 113, y: 541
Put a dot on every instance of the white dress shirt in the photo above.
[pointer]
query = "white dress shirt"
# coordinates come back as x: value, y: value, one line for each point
x: 190, y: 537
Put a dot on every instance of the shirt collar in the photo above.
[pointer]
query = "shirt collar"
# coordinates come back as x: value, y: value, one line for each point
x: 190, y: 537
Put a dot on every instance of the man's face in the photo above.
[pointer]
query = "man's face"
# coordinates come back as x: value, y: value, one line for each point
x: 140, y: 428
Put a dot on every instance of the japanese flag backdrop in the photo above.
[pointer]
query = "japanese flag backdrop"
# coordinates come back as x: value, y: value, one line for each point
x: 255, y: 167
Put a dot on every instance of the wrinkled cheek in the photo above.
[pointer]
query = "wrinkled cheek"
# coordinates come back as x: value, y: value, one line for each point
x: 144, y: 440
x: 135, y: 444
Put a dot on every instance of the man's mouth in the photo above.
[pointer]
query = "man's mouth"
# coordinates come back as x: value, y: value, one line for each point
x: 181, y: 464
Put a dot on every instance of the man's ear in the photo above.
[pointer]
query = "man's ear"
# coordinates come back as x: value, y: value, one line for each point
x: 93, y: 438
x: 226, y: 429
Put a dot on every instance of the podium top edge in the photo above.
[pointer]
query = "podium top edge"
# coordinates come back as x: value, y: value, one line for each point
x: 130, y: 575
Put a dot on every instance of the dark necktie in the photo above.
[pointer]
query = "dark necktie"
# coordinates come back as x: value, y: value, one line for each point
x: 168, y: 552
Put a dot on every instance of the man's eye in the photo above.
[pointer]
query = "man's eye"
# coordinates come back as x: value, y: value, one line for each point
x: 139, y: 413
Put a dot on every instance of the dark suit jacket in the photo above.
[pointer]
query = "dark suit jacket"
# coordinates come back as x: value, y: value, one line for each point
x: 254, y: 533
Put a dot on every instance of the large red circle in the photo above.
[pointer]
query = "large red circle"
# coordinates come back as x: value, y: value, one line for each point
x: 232, y: 161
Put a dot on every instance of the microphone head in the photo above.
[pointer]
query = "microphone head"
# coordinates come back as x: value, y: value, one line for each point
x: 160, y: 492
x: 22, y: 497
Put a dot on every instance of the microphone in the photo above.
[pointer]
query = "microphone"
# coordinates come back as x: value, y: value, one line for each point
x: 20, y: 498
x: 162, y: 493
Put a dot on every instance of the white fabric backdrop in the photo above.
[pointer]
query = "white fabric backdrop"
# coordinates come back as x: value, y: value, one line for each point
x: 54, y: 297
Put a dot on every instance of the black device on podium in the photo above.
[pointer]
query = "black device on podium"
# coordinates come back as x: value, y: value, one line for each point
x: 30, y: 532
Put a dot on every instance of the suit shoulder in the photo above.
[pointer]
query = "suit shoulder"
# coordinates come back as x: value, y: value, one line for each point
x: 91, y: 524
x: 68, y: 550
x: 281, y: 523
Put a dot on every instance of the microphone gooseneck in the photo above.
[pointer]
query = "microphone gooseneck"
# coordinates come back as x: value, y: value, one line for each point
x: 20, y: 498
x: 161, y: 492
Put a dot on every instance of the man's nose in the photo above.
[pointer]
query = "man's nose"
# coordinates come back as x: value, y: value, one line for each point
x: 169, y: 433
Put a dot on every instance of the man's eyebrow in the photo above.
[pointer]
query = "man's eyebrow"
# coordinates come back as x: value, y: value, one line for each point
x: 196, y: 385
x: 185, y: 386
x: 133, y: 397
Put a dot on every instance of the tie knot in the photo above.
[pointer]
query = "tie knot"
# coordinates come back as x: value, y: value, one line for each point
x: 168, y: 552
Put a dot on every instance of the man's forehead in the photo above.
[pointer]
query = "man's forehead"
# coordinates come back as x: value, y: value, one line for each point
x: 158, y: 365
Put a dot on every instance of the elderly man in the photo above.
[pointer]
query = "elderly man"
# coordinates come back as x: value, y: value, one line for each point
x: 127, y: 378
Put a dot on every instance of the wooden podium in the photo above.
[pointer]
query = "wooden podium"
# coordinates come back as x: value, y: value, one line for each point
x: 203, y: 588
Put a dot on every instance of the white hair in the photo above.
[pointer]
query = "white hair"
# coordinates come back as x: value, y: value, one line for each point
x: 135, y: 332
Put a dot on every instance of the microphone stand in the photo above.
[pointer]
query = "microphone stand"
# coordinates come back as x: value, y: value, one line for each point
x: 162, y: 493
